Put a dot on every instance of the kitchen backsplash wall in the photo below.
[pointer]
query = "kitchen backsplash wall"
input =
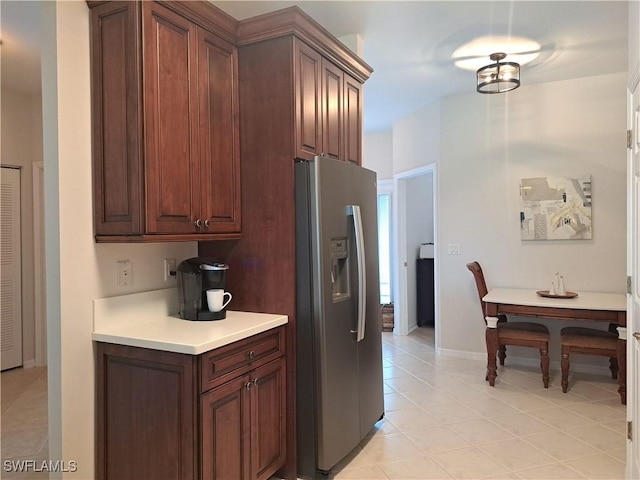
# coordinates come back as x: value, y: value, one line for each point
x: 147, y: 264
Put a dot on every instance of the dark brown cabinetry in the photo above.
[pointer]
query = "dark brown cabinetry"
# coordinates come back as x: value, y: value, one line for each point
x: 165, y: 120
x: 254, y: 403
x: 284, y: 58
x: 352, y: 120
x: 328, y: 107
x: 176, y: 416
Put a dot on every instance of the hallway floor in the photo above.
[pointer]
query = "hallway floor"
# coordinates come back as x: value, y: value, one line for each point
x: 444, y: 421
x: 24, y: 421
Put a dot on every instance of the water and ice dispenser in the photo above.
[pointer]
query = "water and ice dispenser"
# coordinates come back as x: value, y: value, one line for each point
x: 340, y: 284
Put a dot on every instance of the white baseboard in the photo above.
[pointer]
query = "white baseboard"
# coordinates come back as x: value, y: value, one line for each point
x: 29, y: 363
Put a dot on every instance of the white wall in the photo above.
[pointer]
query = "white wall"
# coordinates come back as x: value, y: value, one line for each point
x: 378, y: 153
x: 417, y: 139
x: 490, y: 142
x: 78, y: 269
x: 483, y: 145
x: 21, y: 146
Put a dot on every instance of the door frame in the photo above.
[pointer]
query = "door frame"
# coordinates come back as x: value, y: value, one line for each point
x: 399, y: 208
x: 40, y: 311
x: 633, y: 247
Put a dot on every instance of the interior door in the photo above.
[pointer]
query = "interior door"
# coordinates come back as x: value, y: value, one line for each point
x: 633, y: 248
x: 11, y: 270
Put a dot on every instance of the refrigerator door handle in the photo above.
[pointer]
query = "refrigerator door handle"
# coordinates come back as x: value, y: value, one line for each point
x: 362, y: 269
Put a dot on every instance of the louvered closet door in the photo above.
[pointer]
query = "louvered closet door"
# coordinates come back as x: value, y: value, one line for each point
x: 10, y: 270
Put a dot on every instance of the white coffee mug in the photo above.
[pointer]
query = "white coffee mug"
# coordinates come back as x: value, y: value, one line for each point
x: 215, y: 299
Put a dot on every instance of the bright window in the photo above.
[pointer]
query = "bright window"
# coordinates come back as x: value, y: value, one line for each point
x: 384, y: 246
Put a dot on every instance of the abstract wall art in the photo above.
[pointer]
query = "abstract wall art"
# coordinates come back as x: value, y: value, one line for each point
x: 555, y: 208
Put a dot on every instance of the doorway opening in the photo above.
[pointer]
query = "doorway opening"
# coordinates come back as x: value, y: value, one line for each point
x: 416, y: 219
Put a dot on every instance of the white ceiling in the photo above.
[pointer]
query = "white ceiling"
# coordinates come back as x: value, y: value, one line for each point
x: 408, y: 43
x: 20, y: 51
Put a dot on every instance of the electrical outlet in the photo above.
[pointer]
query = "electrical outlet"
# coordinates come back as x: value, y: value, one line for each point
x: 454, y: 249
x: 124, y: 273
x: 169, y: 266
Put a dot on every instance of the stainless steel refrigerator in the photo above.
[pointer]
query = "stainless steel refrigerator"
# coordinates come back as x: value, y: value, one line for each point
x: 338, y: 318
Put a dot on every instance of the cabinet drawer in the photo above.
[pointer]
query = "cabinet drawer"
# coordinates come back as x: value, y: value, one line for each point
x: 222, y: 364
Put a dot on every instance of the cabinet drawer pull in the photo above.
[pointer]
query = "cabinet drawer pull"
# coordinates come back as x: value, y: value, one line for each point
x: 251, y: 354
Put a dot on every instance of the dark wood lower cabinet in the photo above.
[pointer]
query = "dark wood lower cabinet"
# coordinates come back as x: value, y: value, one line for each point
x: 243, y: 425
x: 146, y: 414
x: 157, y: 418
x: 225, y: 430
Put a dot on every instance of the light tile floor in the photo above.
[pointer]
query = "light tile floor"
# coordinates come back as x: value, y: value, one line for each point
x: 24, y: 421
x: 444, y: 421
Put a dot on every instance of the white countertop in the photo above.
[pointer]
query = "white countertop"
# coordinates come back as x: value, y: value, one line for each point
x: 150, y: 320
x: 584, y: 300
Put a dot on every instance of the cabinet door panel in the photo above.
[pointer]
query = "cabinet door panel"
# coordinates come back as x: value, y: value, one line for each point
x: 170, y: 120
x: 219, y: 139
x: 146, y: 406
x: 352, y: 120
x: 268, y: 411
x: 225, y: 431
x: 116, y: 94
x: 332, y: 104
x: 308, y: 104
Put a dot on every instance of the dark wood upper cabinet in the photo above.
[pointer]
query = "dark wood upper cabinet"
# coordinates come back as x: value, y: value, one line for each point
x: 325, y: 112
x: 332, y: 111
x: 308, y: 119
x: 352, y: 120
x: 219, y: 133
x: 165, y: 122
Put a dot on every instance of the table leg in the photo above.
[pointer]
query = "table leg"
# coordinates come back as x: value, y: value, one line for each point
x: 492, y: 348
x: 622, y: 364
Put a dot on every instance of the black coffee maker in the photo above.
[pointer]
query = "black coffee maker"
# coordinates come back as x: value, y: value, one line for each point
x: 195, y: 276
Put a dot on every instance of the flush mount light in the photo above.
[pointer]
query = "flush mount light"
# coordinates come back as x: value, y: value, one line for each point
x: 498, y: 77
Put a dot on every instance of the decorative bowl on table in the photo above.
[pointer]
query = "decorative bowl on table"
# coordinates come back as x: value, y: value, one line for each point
x: 546, y: 293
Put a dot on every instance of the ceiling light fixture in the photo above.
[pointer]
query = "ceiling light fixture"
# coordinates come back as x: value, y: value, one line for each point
x: 498, y: 77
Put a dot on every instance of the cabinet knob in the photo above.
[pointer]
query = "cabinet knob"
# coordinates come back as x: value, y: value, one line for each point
x: 198, y: 223
x: 249, y: 385
x: 255, y: 382
x: 251, y: 354
x: 206, y: 223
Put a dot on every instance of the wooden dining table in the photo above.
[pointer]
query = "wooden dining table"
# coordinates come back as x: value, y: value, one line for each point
x: 585, y: 307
